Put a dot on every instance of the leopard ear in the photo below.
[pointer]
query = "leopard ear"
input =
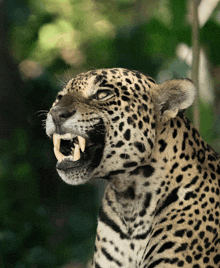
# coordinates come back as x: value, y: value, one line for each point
x: 173, y: 96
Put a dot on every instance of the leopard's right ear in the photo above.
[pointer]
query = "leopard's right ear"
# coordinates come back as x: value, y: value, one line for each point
x: 173, y: 96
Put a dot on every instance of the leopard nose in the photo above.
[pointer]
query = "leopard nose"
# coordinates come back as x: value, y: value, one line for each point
x: 61, y: 114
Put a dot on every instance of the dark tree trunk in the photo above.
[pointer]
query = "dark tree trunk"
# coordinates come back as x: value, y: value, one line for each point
x: 11, y: 85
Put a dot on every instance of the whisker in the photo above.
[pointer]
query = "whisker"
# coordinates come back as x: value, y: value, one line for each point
x: 40, y: 111
x: 67, y: 74
x: 42, y: 114
x: 61, y: 82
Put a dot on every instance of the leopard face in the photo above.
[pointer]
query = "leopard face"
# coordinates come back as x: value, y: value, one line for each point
x: 112, y: 111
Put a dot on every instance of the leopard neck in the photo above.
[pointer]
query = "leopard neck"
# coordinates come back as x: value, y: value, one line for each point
x: 145, y: 189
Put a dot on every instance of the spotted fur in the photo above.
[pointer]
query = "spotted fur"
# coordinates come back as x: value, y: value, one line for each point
x: 161, y: 205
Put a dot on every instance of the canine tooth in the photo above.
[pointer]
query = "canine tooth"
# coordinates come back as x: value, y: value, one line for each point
x: 56, y: 141
x: 82, y: 143
x: 58, y: 154
x: 76, y: 155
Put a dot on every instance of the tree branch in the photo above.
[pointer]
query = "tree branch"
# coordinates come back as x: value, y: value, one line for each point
x: 195, y: 61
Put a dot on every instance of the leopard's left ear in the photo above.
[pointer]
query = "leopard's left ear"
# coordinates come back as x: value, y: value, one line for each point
x: 173, y: 96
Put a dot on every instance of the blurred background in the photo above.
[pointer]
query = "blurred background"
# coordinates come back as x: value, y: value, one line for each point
x: 43, y: 221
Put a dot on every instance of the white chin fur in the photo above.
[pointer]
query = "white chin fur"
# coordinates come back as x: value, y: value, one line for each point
x: 73, y: 178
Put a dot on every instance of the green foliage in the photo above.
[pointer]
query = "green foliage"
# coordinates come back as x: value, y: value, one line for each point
x: 209, y: 33
x: 44, y: 222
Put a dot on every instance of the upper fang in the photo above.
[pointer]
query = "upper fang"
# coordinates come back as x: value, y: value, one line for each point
x: 56, y: 141
x: 82, y: 143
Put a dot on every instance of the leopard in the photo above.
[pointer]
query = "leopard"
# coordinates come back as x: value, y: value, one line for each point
x: 161, y: 204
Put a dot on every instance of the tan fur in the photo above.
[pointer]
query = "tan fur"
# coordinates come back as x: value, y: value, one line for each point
x: 161, y: 207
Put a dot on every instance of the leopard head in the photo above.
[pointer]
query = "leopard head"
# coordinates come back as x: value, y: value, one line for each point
x: 103, y: 123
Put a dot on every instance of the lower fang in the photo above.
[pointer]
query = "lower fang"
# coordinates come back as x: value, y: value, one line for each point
x: 58, y: 154
x: 76, y: 154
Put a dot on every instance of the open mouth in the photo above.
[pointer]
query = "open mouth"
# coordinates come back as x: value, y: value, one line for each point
x: 78, y: 156
x: 75, y: 152
x: 68, y: 147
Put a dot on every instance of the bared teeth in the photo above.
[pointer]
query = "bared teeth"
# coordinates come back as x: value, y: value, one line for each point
x: 76, y: 154
x: 82, y: 143
x: 58, y: 154
x: 75, y: 151
x: 56, y: 141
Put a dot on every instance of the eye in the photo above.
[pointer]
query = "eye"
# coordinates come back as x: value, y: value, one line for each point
x: 103, y: 94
